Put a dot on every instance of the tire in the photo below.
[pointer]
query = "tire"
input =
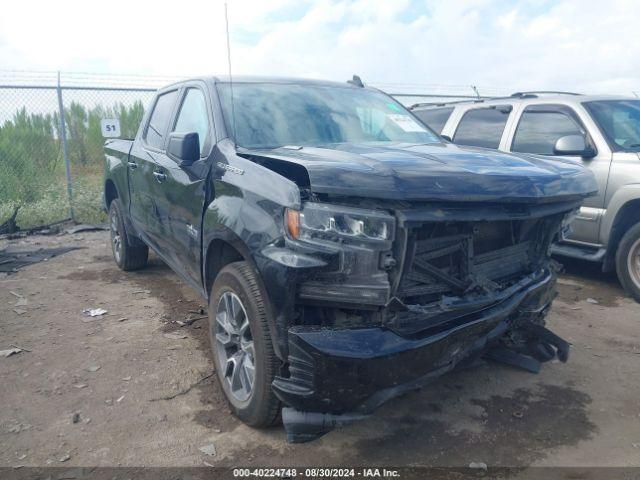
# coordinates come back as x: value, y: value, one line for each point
x: 127, y: 257
x: 236, y: 289
x: 628, y: 261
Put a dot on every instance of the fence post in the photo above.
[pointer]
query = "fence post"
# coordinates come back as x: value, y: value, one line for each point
x: 65, y: 149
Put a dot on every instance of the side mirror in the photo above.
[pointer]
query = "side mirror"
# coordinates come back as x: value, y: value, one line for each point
x: 573, y: 145
x: 184, y: 148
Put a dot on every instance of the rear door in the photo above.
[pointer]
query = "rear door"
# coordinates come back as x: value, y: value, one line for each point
x: 483, y: 127
x: 180, y: 190
x: 434, y: 118
x: 143, y: 208
x: 538, y: 128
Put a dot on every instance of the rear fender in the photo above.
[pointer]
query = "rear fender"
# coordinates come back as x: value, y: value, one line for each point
x: 622, y: 212
x: 116, y: 155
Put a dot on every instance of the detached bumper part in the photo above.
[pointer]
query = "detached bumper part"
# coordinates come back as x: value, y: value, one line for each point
x: 304, y: 427
x: 544, y: 345
x: 339, y: 376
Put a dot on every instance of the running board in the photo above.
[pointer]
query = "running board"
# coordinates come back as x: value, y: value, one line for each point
x: 583, y: 253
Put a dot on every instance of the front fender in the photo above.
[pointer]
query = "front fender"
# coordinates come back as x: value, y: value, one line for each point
x: 247, y: 213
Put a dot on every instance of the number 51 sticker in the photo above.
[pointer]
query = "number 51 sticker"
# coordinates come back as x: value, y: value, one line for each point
x: 110, y: 127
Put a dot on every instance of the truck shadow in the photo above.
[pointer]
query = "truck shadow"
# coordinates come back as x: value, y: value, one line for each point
x: 515, y: 429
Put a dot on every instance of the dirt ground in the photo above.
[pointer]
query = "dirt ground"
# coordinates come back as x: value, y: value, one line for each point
x: 145, y: 398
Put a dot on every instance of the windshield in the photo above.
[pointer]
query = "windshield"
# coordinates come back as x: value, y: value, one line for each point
x: 619, y: 120
x: 270, y: 115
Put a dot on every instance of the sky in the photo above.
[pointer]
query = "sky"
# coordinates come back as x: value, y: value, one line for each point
x: 589, y: 46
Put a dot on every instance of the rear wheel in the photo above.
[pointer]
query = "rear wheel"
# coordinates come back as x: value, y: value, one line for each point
x: 628, y: 261
x: 242, y: 350
x: 127, y: 257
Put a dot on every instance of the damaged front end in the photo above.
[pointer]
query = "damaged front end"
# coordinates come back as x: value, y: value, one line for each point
x: 398, y: 296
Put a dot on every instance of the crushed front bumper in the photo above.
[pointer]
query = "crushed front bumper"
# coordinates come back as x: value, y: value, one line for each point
x: 337, y: 375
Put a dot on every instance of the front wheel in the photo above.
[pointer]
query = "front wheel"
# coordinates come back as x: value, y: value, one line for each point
x: 628, y: 261
x: 242, y: 350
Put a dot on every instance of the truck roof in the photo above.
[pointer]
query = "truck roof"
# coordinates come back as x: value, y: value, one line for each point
x: 264, y: 79
x: 523, y: 97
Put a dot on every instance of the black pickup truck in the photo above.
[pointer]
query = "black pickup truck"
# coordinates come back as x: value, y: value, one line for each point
x: 347, y: 253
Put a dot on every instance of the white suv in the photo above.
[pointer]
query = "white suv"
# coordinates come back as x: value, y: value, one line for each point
x: 601, y: 132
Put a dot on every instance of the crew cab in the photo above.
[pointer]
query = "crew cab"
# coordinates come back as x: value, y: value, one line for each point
x: 600, y: 132
x: 347, y: 253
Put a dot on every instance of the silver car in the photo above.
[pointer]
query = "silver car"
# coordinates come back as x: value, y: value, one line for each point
x: 601, y: 132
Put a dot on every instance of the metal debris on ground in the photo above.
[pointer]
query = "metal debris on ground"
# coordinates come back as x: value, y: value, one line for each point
x: 49, y: 229
x: 94, y: 312
x: 20, y: 348
x: 85, y: 227
x: 12, y: 260
x: 189, y: 321
x: 592, y: 300
x: 65, y: 458
x: 9, y: 352
x: 208, y: 449
x: 174, y: 336
x: 478, y: 465
x: 93, y: 368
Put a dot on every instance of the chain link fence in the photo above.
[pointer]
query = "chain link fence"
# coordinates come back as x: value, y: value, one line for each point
x: 40, y: 115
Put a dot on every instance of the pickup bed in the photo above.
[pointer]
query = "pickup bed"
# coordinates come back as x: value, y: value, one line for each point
x: 347, y: 253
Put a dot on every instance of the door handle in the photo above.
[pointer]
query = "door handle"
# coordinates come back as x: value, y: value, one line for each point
x: 132, y: 165
x: 160, y: 177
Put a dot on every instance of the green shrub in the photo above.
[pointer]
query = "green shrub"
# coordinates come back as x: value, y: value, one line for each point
x: 32, y: 172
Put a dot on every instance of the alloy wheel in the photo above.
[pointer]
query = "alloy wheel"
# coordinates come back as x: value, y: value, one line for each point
x: 235, y: 348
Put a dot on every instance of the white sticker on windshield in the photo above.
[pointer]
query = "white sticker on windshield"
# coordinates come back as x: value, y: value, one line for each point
x: 405, y: 122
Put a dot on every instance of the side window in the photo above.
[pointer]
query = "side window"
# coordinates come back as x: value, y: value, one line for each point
x: 482, y: 127
x: 435, y: 118
x: 193, y: 116
x: 540, y: 127
x: 159, y: 120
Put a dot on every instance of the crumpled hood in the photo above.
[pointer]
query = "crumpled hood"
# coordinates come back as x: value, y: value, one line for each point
x: 436, y: 172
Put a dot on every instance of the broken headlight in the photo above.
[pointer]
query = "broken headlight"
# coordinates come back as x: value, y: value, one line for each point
x: 319, y: 222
